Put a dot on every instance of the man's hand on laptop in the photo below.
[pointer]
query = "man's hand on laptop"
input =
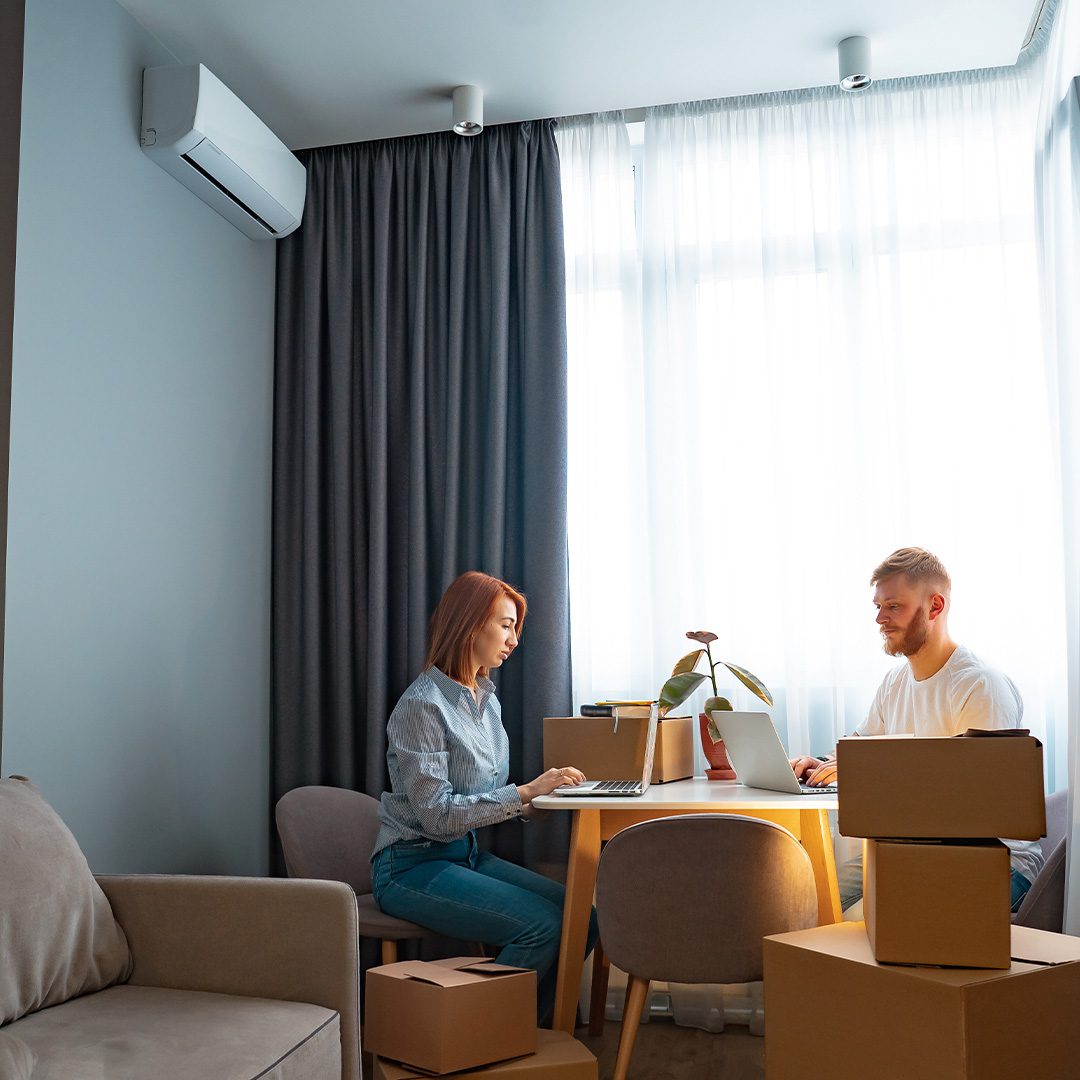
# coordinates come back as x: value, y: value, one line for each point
x: 817, y: 772
x: 547, y: 782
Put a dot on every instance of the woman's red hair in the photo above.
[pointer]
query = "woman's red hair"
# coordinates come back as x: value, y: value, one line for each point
x: 462, y: 613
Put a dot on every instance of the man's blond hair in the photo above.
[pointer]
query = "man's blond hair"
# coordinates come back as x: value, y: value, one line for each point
x: 917, y: 565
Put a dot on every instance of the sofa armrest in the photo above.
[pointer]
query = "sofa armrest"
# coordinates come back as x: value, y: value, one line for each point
x: 292, y: 940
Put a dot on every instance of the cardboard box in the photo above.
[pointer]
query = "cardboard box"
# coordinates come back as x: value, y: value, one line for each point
x: 937, y: 902
x: 899, y: 786
x: 826, y: 995
x: 673, y: 758
x: 558, y: 1057
x: 446, y: 1015
x: 600, y: 748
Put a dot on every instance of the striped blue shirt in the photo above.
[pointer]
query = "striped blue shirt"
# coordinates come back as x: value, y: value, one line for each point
x: 449, y: 759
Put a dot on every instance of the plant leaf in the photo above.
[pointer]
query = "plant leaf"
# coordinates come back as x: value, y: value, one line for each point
x: 678, y: 688
x: 751, y: 682
x: 688, y: 662
x: 715, y: 704
x: 704, y: 636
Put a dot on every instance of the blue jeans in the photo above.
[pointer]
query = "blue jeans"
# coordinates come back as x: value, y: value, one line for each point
x: 458, y: 890
x: 1019, y: 886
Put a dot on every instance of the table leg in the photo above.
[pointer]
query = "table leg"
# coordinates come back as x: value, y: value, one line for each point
x: 817, y: 840
x: 580, y: 883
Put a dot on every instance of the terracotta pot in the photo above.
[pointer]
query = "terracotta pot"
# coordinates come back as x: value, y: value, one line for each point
x: 715, y: 753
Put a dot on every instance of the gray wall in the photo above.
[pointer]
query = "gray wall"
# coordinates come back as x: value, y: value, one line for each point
x: 136, y: 669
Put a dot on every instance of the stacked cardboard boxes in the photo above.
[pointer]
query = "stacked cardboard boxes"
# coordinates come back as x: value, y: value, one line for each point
x: 466, y: 1016
x: 935, y: 878
x: 937, y: 984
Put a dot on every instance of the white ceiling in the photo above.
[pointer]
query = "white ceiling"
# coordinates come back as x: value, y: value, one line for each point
x: 321, y: 72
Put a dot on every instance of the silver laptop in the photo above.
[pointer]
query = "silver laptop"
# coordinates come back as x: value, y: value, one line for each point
x: 620, y: 788
x: 757, y: 754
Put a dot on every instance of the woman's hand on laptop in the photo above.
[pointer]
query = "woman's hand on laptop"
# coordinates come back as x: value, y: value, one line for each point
x: 547, y: 782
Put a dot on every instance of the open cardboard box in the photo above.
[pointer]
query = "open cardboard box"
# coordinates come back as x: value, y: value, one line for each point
x: 558, y: 1057
x: 937, y: 902
x: 930, y: 788
x: 827, y: 997
x: 446, y: 1015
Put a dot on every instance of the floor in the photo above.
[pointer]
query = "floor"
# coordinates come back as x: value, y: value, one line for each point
x: 664, y: 1051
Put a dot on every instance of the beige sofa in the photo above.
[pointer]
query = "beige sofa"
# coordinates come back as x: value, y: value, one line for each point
x: 162, y: 977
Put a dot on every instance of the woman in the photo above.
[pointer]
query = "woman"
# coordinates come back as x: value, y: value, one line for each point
x: 449, y: 760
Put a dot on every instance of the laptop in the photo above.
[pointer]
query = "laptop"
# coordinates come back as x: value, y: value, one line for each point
x: 757, y: 754
x: 620, y: 788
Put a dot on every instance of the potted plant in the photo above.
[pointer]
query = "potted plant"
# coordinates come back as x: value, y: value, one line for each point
x: 685, y: 679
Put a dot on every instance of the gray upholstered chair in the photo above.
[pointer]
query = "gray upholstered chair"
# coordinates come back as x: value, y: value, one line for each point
x: 1044, y: 906
x: 688, y: 899
x: 329, y: 833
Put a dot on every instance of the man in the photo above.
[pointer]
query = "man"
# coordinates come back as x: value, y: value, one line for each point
x: 943, y: 689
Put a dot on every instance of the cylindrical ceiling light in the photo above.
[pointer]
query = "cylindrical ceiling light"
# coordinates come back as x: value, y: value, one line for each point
x: 854, y: 54
x: 468, y: 110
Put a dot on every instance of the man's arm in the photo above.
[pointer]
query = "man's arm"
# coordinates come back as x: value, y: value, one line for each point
x: 992, y: 701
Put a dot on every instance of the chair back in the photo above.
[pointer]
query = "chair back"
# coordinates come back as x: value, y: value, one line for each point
x: 1057, y: 820
x: 328, y: 833
x: 1044, y: 905
x: 689, y: 898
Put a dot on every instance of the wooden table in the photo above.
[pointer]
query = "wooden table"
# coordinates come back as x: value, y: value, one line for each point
x: 599, y: 819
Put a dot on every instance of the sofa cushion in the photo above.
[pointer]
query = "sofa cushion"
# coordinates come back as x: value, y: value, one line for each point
x: 135, y: 1032
x: 58, y: 936
x: 16, y: 1058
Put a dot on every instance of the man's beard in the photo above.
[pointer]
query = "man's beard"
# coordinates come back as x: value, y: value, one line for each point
x: 911, y: 639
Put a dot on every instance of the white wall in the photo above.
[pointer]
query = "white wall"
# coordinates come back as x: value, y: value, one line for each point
x: 136, y: 669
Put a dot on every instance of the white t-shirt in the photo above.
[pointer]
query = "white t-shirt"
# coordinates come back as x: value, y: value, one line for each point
x: 964, y: 694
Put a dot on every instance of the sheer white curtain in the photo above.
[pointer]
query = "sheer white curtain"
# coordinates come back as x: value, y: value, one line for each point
x: 608, y: 541
x: 819, y: 342
x: 1058, y: 217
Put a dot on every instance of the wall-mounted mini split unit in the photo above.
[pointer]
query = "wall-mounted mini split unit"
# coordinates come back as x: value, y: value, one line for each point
x: 199, y: 131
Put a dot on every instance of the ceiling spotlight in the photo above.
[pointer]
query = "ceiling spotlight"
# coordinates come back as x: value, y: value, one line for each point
x: 468, y: 110
x: 854, y: 54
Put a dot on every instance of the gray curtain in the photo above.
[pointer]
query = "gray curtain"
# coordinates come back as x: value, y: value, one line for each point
x: 419, y: 431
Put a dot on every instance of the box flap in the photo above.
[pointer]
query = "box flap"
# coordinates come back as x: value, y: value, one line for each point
x: 459, y: 961
x: 480, y: 964
x: 1042, y: 947
x: 487, y: 967
x: 996, y: 733
x: 433, y: 973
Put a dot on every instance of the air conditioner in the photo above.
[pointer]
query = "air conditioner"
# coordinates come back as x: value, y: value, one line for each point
x: 199, y: 131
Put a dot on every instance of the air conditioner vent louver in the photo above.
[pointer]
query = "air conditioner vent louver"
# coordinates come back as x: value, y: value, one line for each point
x: 196, y: 129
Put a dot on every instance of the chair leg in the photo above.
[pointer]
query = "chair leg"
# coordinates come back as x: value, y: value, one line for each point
x: 637, y: 991
x: 389, y: 952
x: 601, y: 971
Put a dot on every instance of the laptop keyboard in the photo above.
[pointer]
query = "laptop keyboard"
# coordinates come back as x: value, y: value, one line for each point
x: 825, y: 789
x: 618, y: 785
